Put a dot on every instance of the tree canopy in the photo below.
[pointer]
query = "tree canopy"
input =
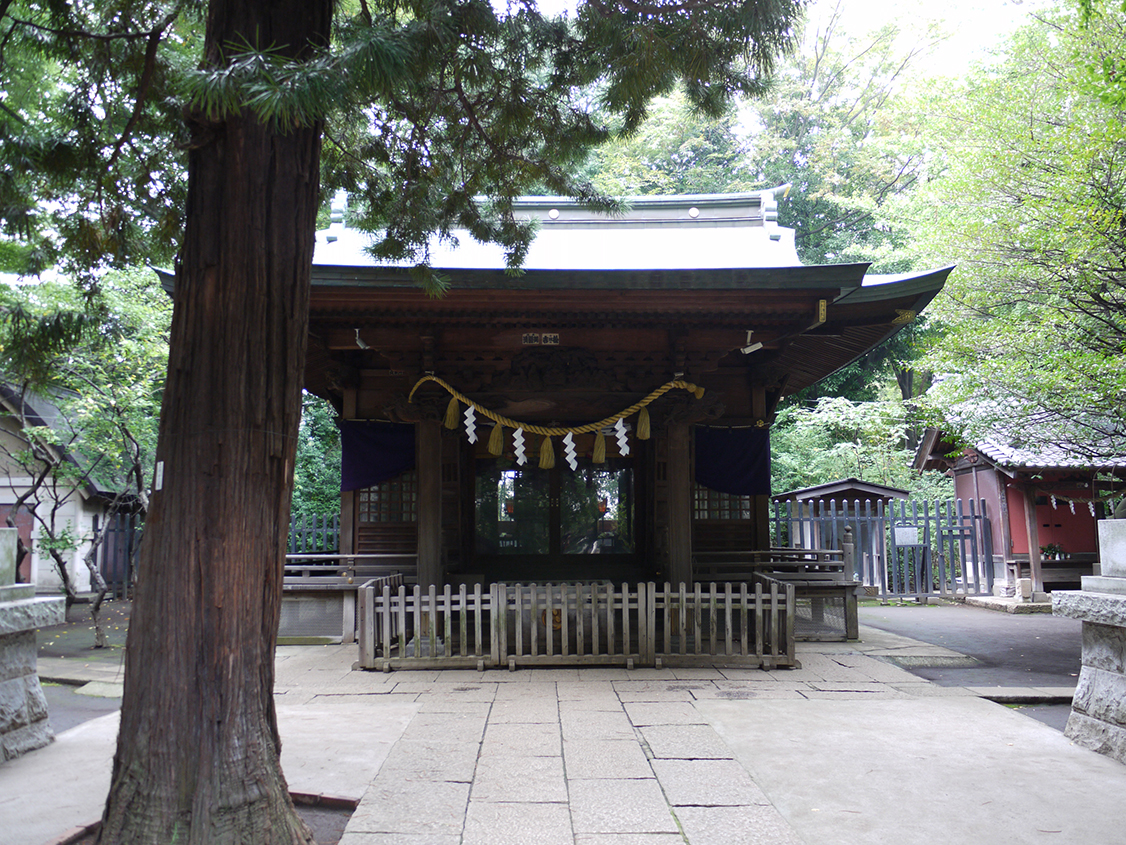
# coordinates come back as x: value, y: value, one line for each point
x: 419, y: 107
x: 1028, y: 197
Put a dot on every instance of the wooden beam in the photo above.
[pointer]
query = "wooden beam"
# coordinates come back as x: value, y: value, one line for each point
x: 428, y: 461
x: 680, y: 502
x: 1034, y: 564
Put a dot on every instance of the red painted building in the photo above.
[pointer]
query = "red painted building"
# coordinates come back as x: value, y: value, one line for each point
x: 1043, y: 502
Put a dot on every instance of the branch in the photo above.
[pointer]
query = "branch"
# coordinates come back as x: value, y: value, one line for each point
x: 155, y: 37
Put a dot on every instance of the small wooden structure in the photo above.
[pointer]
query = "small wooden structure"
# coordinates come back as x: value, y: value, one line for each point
x: 1044, y: 503
x: 680, y: 325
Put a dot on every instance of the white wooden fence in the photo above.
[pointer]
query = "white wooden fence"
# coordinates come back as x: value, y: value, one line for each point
x: 746, y: 624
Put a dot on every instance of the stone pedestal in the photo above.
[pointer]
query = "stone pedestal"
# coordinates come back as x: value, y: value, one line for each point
x: 23, y: 709
x: 1098, y: 713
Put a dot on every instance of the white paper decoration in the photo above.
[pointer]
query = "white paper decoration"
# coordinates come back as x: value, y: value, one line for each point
x: 623, y: 443
x: 518, y: 446
x: 470, y: 424
x: 569, y: 451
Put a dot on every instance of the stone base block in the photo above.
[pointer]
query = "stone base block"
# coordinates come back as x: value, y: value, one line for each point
x: 1097, y: 735
x: 25, y: 739
x: 1100, y: 608
x: 23, y: 708
x: 32, y: 613
x: 1098, y: 711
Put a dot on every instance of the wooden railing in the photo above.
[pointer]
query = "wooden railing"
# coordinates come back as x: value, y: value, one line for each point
x: 577, y: 624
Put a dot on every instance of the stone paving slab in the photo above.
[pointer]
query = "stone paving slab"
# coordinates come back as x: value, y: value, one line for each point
x: 742, y: 693
x: 689, y: 742
x: 620, y: 806
x: 532, y: 740
x: 707, y: 783
x: 606, y: 759
x: 358, y: 838
x: 432, y: 761
x: 520, y: 779
x: 643, y: 713
x: 955, y: 771
x: 755, y: 825
x: 421, y: 807
x: 596, y: 725
x: 524, y: 709
x: 517, y: 824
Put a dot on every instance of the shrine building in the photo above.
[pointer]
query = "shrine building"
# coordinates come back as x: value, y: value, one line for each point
x: 611, y: 404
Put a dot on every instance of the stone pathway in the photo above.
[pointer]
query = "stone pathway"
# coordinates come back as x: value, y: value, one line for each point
x: 596, y: 756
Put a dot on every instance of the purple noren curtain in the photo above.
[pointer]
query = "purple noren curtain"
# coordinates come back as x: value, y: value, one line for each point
x: 733, y: 460
x: 373, y: 452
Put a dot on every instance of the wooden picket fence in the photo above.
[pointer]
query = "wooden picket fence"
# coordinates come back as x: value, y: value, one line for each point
x: 585, y: 624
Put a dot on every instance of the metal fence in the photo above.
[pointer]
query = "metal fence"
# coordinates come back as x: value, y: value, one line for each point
x: 309, y: 533
x: 904, y: 549
x: 117, y: 553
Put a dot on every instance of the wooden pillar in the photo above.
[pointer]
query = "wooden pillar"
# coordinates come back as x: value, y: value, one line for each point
x: 428, y: 462
x: 348, y: 499
x: 680, y: 503
x: 1033, y: 539
x: 760, y: 528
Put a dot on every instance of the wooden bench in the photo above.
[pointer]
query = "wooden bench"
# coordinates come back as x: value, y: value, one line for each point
x: 320, y: 588
x: 1068, y: 569
x: 817, y: 575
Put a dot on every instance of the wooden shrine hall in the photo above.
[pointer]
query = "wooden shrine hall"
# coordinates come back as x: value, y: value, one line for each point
x: 648, y: 350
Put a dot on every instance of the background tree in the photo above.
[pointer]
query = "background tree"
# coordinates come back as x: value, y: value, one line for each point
x: 830, y: 129
x: 1029, y: 200
x: 316, y: 473
x: 423, y: 106
x: 677, y: 150
x: 94, y: 364
x: 838, y: 438
x: 91, y: 165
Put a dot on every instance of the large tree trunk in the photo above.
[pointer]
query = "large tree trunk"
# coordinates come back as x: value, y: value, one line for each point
x: 198, y: 751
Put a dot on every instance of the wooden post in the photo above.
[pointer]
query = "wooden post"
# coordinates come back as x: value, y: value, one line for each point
x: 347, y: 537
x: 760, y: 526
x: 1033, y: 539
x: 680, y: 503
x: 428, y: 461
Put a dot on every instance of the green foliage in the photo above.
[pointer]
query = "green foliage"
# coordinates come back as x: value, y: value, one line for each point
x: 831, y: 129
x: 316, y: 474
x: 1030, y: 200
x: 838, y: 439
x: 426, y: 106
x: 102, y: 381
x: 677, y: 150
x: 499, y: 104
x: 90, y: 172
x: 63, y: 540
